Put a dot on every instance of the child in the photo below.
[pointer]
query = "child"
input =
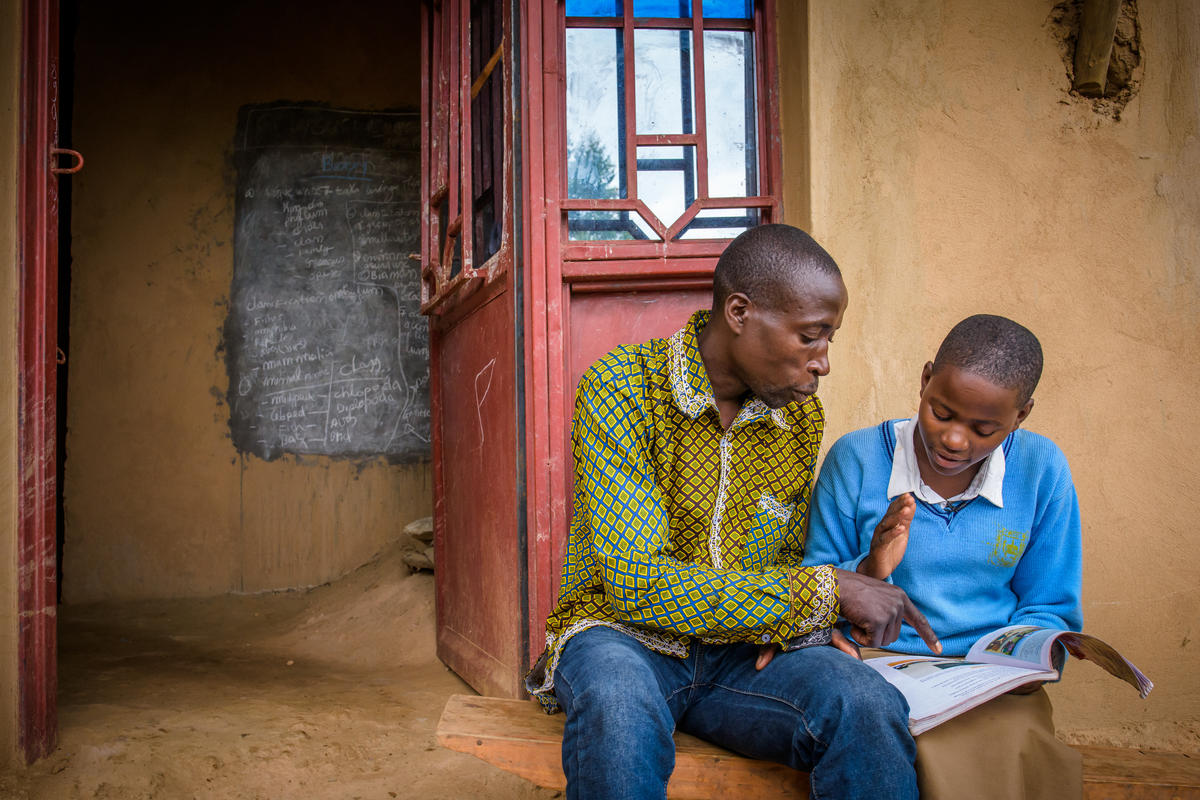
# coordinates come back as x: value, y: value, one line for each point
x: 979, y: 523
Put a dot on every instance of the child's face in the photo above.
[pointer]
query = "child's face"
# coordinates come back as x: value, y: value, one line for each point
x: 962, y: 418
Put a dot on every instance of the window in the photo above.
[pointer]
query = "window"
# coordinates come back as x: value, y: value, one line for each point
x: 466, y: 175
x: 665, y: 123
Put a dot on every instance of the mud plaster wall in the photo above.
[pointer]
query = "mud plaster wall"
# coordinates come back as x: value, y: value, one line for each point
x: 952, y: 173
x: 158, y: 503
x: 10, y: 38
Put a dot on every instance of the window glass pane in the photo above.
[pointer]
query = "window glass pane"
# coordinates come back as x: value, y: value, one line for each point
x: 663, y: 66
x: 674, y: 9
x: 608, y: 225
x: 456, y: 259
x: 667, y: 180
x: 729, y: 9
x: 594, y: 8
x: 721, y: 223
x: 443, y: 221
x: 595, y: 113
x: 487, y: 132
x: 729, y: 104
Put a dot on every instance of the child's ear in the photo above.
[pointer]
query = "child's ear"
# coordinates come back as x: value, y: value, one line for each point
x: 926, y: 375
x: 1023, y: 413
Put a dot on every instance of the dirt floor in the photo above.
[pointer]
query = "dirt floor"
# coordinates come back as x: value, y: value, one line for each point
x: 330, y: 693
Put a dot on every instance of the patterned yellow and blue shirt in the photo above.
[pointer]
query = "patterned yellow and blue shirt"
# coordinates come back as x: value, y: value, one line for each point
x: 683, y: 529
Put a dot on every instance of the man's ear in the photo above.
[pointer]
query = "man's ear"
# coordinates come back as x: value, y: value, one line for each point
x: 737, y: 309
x: 1023, y: 413
x: 926, y: 375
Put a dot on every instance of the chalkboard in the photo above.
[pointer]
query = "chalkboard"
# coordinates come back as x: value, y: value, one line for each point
x: 326, y: 350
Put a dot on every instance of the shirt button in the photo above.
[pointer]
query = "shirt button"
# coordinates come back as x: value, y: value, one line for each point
x: 766, y: 637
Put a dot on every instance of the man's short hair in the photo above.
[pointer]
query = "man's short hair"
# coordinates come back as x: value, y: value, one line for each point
x: 765, y: 259
x: 996, y: 348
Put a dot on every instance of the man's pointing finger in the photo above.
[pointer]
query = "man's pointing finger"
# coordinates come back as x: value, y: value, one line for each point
x: 921, y: 625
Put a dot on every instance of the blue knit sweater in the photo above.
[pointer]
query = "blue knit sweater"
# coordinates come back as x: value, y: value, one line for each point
x: 970, y: 570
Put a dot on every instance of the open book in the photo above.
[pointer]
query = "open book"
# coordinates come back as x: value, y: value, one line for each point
x: 938, y: 689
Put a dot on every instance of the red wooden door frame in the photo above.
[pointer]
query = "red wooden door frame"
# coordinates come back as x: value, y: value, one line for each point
x: 555, y: 268
x: 37, y: 209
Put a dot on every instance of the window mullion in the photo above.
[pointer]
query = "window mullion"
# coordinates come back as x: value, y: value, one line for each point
x: 698, y: 103
x: 429, y: 157
x: 630, y: 110
x: 766, y: 130
x: 465, y: 160
x: 452, y: 152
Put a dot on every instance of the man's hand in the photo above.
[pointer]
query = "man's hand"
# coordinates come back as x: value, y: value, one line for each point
x: 767, y: 651
x: 890, y: 539
x: 876, y: 610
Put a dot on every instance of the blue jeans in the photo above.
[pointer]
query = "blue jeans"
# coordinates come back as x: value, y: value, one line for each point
x: 815, y: 709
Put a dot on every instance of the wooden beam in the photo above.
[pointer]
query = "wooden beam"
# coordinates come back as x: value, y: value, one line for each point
x: 516, y: 736
x: 1093, y: 48
x: 1119, y: 773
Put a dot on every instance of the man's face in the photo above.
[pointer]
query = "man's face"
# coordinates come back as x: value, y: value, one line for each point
x: 780, y: 353
x: 962, y: 418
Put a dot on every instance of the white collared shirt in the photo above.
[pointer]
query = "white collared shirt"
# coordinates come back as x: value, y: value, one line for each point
x: 988, y: 483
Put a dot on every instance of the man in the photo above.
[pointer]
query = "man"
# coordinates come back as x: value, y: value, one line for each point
x: 694, y: 457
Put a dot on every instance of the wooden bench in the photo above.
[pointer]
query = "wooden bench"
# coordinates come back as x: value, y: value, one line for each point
x: 516, y: 736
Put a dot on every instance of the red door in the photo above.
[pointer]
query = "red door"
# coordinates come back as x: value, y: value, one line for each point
x: 37, y: 321
x: 470, y: 292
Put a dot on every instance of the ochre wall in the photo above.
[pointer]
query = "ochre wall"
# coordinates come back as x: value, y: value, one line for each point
x: 952, y: 173
x: 10, y: 72
x: 158, y: 503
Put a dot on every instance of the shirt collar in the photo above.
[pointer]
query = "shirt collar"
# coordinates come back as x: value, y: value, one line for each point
x: 690, y: 387
x: 988, y: 483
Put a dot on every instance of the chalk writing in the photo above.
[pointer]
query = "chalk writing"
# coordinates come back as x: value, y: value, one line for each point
x: 327, y: 351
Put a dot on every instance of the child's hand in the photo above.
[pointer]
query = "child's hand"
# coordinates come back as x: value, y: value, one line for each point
x: 890, y: 539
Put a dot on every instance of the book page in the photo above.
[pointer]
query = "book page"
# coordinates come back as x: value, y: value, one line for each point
x: 1103, y: 654
x: 952, y: 679
x: 939, y: 688
x: 1030, y: 646
x: 1019, y: 645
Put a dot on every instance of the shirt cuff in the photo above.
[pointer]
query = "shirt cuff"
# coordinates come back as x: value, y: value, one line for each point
x: 812, y: 603
x: 815, y: 638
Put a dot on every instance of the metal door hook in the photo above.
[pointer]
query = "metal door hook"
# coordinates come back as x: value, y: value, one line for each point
x: 62, y: 151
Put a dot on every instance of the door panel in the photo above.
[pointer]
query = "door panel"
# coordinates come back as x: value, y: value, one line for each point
x: 599, y: 322
x: 478, y: 550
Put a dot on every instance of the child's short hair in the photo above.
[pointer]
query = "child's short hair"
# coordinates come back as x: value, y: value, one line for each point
x: 996, y: 348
